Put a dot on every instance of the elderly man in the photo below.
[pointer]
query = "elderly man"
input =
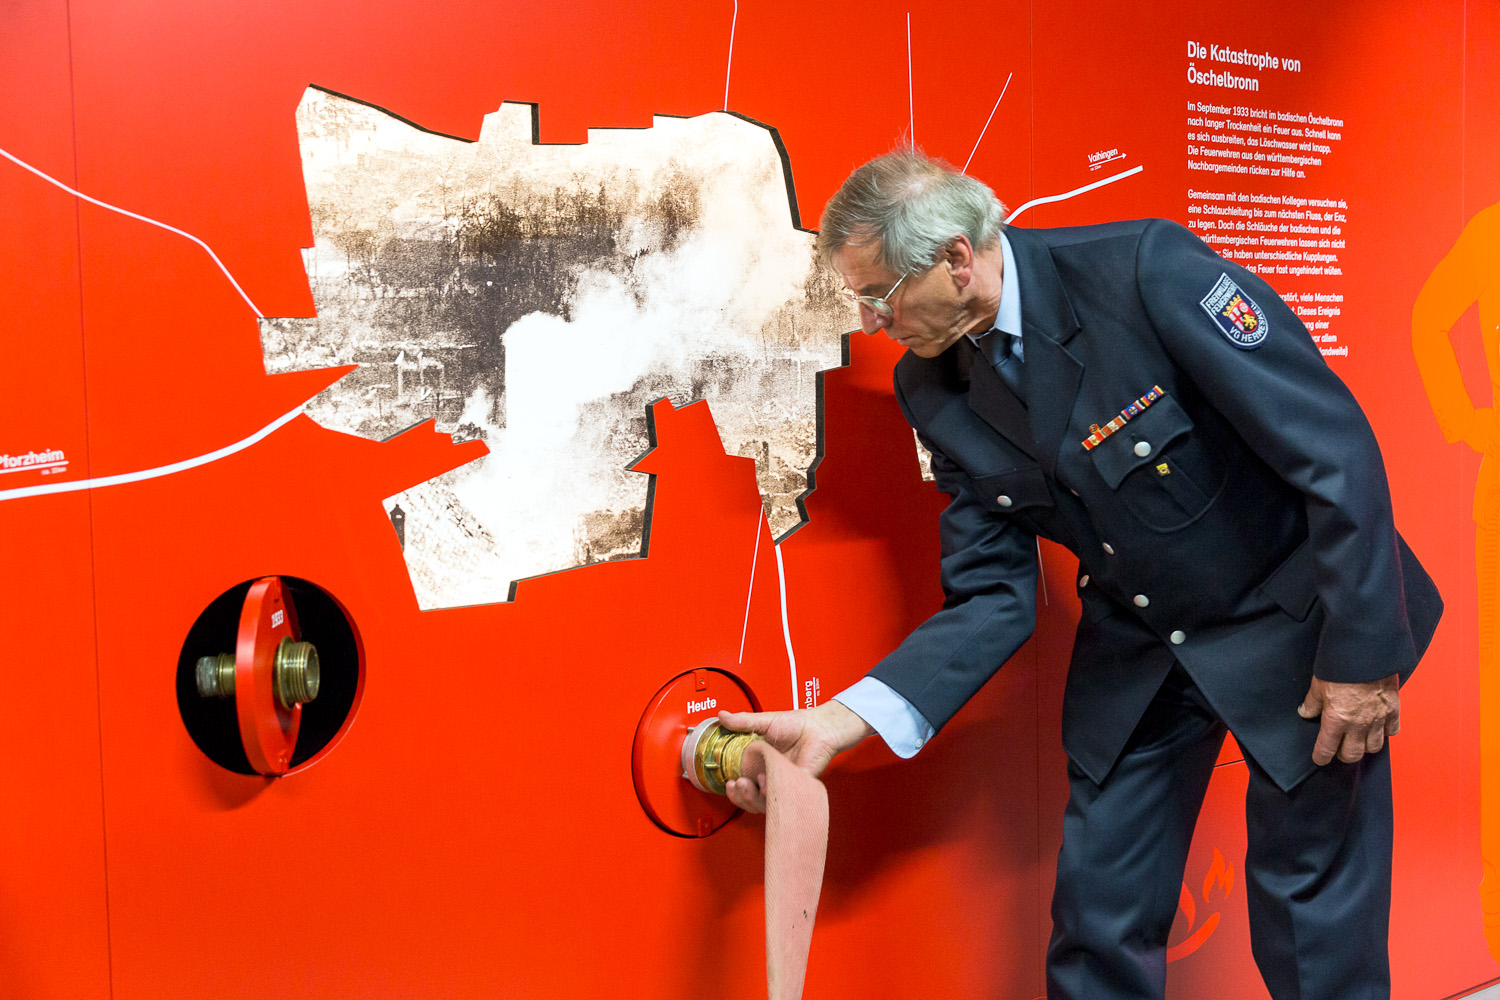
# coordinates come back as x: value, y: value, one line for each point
x: 1122, y: 390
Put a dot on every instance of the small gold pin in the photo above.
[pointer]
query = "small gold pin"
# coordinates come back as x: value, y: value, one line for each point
x: 1162, y: 469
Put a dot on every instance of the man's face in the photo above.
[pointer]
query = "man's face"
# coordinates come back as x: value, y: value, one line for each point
x: 927, y: 315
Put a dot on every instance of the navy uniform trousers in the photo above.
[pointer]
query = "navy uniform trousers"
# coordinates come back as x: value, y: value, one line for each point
x: 1226, y: 498
x: 1319, y: 907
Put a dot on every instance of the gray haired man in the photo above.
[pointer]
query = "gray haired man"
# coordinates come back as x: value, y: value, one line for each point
x: 1123, y: 391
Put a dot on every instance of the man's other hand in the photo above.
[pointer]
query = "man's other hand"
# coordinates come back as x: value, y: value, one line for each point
x: 809, y: 737
x: 1357, y: 718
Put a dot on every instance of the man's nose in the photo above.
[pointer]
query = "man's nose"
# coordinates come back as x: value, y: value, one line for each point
x: 870, y: 321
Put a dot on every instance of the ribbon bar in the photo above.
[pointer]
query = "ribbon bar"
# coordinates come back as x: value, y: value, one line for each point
x: 1100, y: 433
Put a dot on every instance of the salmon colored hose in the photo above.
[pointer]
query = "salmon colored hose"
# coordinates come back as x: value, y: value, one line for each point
x: 796, y: 848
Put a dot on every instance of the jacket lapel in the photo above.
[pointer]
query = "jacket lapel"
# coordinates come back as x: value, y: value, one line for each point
x: 1052, y: 374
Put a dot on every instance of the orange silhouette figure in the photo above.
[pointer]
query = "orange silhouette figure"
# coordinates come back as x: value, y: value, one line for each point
x: 1470, y: 273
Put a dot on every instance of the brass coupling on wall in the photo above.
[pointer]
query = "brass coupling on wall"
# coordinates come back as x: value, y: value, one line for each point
x: 216, y: 676
x: 712, y: 755
x: 296, y: 672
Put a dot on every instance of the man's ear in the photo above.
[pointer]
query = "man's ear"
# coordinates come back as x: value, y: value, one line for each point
x: 959, y: 256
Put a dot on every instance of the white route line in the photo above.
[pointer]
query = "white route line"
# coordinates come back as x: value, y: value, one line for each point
x: 911, y: 104
x: 163, y: 470
x: 1073, y: 193
x: 786, y: 629
x: 730, y: 64
x: 156, y: 473
x: 987, y: 122
x: 760, y: 520
x: 115, y: 208
x: 1041, y: 574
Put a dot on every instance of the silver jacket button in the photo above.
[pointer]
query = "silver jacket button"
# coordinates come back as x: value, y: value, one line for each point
x: 1003, y: 500
x: 1109, y: 549
x: 1083, y: 581
x: 1143, y: 448
x: 1178, y: 638
x: 1141, y: 600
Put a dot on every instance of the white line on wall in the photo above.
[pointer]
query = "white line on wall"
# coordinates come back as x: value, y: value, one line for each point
x: 1073, y: 193
x: 1039, y: 570
x: 760, y: 521
x: 911, y: 104
x: 786, y: 629
x: 730, y: 64
x: 115, y: 208
x: 987, y: 122
x: 156, y: 473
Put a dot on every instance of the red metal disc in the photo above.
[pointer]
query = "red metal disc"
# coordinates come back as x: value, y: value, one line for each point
x: 656, y: 758
x: 268, y: 731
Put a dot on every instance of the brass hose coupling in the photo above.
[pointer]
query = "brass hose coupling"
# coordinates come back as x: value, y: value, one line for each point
x: 297, y: 674
x: 711, y: 755
x: 216, y: 676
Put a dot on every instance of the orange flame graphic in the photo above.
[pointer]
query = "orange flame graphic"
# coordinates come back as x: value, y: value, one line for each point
x: 1220, y: 874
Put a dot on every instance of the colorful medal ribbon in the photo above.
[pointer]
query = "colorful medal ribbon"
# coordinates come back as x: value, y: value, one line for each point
x: 1100, y: 433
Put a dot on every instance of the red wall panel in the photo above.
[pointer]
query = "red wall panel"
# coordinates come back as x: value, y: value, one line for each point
x: 476, y: 832
x: 53, y: 931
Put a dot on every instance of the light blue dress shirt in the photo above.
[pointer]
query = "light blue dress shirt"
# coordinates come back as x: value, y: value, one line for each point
x: 1008, y: 319
x: 904, y: 729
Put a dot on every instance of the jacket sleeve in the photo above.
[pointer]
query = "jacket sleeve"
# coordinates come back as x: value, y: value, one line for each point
x: 1300, y: 418
x: 988, y: 573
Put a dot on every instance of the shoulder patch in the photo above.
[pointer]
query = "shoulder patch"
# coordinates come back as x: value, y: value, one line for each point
x: 1237, y: 316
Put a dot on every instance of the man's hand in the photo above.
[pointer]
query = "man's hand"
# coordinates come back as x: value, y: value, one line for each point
x: 1357, y: 718
x: 809, y: 737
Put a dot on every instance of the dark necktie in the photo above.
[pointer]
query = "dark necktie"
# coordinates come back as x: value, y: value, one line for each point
x: 996, y: 346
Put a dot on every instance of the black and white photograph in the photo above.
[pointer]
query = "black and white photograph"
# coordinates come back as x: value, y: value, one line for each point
x: 540, y: 297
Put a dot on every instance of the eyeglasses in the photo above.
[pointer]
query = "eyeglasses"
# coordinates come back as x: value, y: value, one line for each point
x: 876, y: 304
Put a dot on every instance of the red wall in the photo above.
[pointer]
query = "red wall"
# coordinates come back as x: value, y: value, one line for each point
x: 446, y: 846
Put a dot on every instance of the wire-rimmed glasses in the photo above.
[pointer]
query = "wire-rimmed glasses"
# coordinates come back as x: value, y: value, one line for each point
x: 877, y: 304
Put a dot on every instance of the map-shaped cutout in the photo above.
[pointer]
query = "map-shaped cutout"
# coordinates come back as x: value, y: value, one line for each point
x: 539, y: 298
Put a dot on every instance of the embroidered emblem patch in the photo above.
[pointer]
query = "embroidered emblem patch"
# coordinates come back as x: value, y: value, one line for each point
x: 1235, y: 313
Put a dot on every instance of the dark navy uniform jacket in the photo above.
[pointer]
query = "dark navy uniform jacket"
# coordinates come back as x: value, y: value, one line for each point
x: 1240, y: 523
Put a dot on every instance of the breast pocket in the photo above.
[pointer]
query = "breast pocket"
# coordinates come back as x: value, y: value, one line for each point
x: 1161, y: 470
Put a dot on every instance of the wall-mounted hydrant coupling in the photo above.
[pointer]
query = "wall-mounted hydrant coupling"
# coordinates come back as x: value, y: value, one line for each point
x: 297, y: 674
x: 712, y: 755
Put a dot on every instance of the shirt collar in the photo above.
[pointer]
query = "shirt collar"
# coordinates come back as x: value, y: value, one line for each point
x: 1008, y: 319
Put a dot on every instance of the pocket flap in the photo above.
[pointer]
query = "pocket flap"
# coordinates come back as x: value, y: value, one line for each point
x: 1140, y: 441
x: 1291, y: 585
x: 1008, y: 492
